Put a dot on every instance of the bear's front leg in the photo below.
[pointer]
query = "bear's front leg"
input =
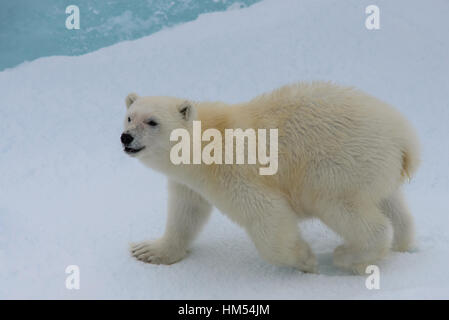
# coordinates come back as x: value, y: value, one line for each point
x: 187, y: 213
x: 277, y: 238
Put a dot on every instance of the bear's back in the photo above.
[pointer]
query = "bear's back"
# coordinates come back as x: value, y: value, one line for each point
x: 334, y: 138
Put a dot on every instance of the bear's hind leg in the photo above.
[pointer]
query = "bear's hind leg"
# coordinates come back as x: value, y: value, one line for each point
x: 366, y: 231
x: 396, y: 210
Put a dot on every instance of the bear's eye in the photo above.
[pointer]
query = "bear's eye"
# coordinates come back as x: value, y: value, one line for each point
x: 152, y: 123
x: 129, y: 119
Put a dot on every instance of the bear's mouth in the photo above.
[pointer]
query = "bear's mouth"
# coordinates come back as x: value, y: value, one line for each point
x: 130, y: 150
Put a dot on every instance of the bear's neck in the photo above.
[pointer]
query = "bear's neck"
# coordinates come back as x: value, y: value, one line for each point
x: 202, y: 177
x: 216, y: 115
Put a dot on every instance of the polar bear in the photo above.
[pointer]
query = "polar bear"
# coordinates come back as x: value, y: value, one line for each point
x: 342, y: 156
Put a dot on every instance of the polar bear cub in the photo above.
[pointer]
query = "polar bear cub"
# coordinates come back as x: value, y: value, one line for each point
x: 342, y: 157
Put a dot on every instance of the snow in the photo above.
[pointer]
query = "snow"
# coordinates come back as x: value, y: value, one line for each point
x: 70, y: 196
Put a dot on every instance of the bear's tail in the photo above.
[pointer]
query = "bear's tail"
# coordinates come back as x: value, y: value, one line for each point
x: 410, y: 157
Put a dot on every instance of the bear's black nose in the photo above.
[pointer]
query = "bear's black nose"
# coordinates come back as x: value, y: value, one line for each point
x: 126, y: 138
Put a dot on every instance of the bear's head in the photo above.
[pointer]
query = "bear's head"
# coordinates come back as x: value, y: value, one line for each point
x: 149, y: 122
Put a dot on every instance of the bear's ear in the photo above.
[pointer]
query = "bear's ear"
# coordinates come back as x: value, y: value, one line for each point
x: 186, y: 110
x: 130, y: 99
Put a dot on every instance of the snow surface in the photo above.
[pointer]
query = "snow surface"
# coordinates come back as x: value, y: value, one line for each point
x: 69, y: 195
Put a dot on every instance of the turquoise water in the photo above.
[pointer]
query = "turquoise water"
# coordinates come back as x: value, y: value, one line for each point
x: 30, y: 29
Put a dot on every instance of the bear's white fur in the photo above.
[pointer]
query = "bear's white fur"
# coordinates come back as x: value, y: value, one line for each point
x: 343, y: 156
